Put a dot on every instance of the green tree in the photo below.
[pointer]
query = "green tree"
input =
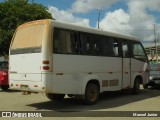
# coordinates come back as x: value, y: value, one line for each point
x: 16, y: 12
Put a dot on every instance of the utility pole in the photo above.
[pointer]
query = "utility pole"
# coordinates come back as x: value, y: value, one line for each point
x: 99, y: 15
x: 155, y: 40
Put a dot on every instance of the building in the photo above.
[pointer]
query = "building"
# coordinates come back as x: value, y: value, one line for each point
x: 153, y: 52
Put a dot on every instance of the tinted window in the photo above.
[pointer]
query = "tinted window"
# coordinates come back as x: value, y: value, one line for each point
x: 125, y: 50
x: 65, y: 41
x: 90, y: 44
x: 107, y: 43
x: 72, y: 42
x: 111, y: 47
x: 116, y: 48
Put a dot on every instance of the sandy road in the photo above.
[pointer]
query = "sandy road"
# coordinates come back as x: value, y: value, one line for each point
x: 148, y: 100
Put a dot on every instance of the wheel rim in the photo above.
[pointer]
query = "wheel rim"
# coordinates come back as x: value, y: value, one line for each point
x: 92, y: 94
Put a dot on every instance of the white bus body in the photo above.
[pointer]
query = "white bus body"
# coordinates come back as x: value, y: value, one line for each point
x: 59, y: 58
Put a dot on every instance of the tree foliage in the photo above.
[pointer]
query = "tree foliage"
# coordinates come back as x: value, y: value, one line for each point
x: 16, y: 12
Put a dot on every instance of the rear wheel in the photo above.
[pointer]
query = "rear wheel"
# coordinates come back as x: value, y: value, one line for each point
x: 91, y: 94
x: 55, y: 97
x: 136, y: 87
x: 4, y: 87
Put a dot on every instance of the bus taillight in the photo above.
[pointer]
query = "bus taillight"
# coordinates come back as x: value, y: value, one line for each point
x: 45, y: 62
x: 45, y: 67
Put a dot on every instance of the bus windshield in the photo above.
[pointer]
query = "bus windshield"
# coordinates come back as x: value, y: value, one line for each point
x: 28, y: 38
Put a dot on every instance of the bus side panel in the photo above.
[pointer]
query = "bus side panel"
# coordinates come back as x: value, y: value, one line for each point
x: 139, y: 68
x: 112, y: 73
x: 76, y: 63
x: 67, y: 83
x: 71, y: 70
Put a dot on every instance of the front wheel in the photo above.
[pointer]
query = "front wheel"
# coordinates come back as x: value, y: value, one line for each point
x: 145, y: 86
x: 4, y: 87
x: 136, y: 87
x: 91, y: 94
x: 55, y: 97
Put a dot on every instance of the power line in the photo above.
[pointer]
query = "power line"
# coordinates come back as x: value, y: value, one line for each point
x: 150, y: 41
x: 155, y: 40
x: 133, y: 30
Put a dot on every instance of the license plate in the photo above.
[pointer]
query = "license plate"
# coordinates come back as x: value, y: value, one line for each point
x: 157, y: 82
x: 24, y: 87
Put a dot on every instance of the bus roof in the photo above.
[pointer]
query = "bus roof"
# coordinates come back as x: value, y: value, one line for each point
x: 92, y: 30
x: 79, y: 28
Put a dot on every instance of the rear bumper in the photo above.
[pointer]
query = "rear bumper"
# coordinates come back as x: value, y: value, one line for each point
x: 27, y: 86
x: 26, y: 82
x: 31, y: 82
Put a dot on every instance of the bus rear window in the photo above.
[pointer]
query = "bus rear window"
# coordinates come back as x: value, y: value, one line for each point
x: 28, y: 39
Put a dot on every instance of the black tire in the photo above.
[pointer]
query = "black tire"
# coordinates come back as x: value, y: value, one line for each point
x: 145, y: 86
x: 70, y: 95
x: 136, y: 87
x: 55, y: 97
x: 91, y: 94
x: 4, y: 87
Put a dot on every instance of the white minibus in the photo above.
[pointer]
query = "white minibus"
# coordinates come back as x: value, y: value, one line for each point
x: 63, y: 59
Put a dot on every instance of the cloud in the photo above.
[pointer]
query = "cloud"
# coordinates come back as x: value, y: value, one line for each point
x: 141, y: 19
x: 65, y: 16
x: 84, y: 6
x: 138, y: 13
x: 136, y: 21
x: 117, y: 20
x: 153, y: 6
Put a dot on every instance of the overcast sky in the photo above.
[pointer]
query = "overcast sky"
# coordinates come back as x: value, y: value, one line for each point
x: 135, y: 17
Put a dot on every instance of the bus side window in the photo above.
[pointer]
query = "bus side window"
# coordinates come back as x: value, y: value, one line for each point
x: 64, y: 41
x: 95, y: 48
x: 90, y: 45
x: 125, y: 50
x: 115, y: 48
x: 85, y: 47
x: 106, y: 44
x: 56, y: 43
x: 95, y: 45
x: 74, y: 43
